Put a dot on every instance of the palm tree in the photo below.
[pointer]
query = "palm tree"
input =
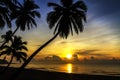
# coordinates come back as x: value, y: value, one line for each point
x: 4, y: 16
x: 15, y: 50
x: 7, y: 37
x: 67, y: 17
x: 24, y: 15
x: 64, y: 18
x: 10, y: 4
x: 6, y: 7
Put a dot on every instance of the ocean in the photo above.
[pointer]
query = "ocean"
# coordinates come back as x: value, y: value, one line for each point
x: 96, y: 69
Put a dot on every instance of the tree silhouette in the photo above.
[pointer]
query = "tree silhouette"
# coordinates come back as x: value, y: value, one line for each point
x: 23, y: 14
x: 64, y: 18
x: 7, y: 37
x: 6, y: 8
x: 11, y: 5
x: 15, y: 50
x: 4, y: 16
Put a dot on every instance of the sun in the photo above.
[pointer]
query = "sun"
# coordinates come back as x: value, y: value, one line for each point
x: 69, y: 56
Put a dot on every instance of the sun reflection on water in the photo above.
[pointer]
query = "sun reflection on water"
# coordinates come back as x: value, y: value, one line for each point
x: 69, y: 68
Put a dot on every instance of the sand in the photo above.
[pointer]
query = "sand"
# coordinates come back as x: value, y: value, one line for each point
x: 30, y: 74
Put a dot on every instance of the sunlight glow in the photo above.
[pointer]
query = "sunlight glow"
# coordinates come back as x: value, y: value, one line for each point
x: 69, y: 56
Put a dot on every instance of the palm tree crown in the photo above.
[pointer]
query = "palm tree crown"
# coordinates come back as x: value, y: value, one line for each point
x: 25, y: 14
x: 66, y: 17
x: 15, y: 49
x: 4, y: 16
x: 6, y: 8
x: 8, y: 36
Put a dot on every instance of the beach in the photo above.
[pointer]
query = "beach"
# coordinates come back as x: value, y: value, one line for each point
x: 31, y: 74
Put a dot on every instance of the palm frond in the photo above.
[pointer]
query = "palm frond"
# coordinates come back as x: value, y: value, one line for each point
x: 35, y: 14
x: 79, y: 23
x: 25, y: 43
x: 5, y: 47
x: 68, y: 17
x: 24, y: 54
x: 54, y: 5
x: 81, y: 5
x: 21, y: 56
x: 23, y: 48
x: 52, y: 18
x: 64, y: 27
x: 2, y: 53
x: 4, y: 17
x: 2, y: 22
x: 81, y: 14
x: 66, y: 3
x: 30, y: 5
x: 74, y: 25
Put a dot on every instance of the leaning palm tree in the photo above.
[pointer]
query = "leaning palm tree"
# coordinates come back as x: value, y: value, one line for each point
x: 15, y: 50
x: 65, y: 18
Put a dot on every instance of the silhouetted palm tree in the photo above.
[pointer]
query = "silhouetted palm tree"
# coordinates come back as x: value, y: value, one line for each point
x: 15, y: 50
x: 64, y: 18
x: 10, y: 4
x: 67, y: 17
x: 6, y: 8
x: 4, y: 16
x: 23, y: 14
x: 7, y: 37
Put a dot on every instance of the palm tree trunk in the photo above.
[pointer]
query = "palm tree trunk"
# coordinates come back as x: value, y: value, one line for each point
x: 15, y: 75
x: 15, y: 31
x: 7, y: 65
x: 11, y: 36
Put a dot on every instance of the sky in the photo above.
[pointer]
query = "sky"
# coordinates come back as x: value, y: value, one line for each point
x: 100, y: 39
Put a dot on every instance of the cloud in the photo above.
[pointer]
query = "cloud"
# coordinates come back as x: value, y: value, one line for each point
x: 52, y: 58
x: 92, y: 52
x: 98, y: 54
x: 85, y: 52
x: 63, y: 42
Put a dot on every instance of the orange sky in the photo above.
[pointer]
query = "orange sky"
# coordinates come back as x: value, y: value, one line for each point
x: 101, y: 36
x: 84, y: 44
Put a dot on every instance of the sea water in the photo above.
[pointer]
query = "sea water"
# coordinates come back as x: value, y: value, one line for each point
x: 96, y: 69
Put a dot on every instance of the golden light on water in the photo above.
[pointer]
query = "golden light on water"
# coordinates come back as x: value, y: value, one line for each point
x: 69, y: 68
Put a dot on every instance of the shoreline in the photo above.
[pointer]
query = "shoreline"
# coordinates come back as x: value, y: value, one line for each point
x: 31, y: 74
